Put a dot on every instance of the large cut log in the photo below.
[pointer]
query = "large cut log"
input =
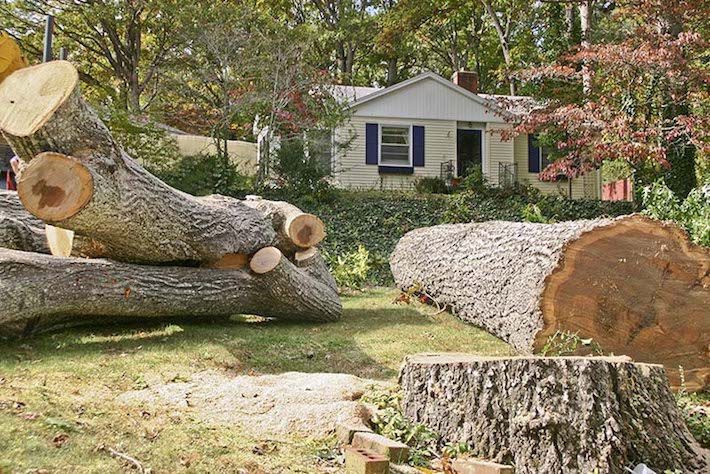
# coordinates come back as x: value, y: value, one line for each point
x: 45, y: 291
x: 552, y: 415
x: 79, y: 178
x: 633, y: 285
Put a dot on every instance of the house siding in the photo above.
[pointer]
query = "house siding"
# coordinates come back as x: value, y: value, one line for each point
x: 351, y: 171
x: 559, y: 188
x: 499, y: 152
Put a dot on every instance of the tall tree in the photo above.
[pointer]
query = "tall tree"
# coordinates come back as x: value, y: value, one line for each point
x: 644, y: 104
x: 119, y: 45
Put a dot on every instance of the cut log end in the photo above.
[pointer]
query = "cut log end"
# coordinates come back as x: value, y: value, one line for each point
x: 54, y: 187
x: 305, y: 255
x: 29, y: 96
x: 265, y: 260
x: 305, y: 230
x: 60, y: 241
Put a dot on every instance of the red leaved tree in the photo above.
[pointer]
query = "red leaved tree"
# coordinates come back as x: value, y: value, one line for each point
x: 646, y: 105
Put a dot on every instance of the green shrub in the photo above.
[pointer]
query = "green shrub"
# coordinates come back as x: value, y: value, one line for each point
x: 475, y: 180
x: 389, y: 421
x: 350, y: 269
x: 431, y: 185
x: 301, y: 174
x: 692, y: 213
x: 200, y: 175
x: 532, y: 213
x: 144, y: 140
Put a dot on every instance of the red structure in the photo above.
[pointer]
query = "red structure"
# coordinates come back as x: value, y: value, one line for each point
x: 621, y: 190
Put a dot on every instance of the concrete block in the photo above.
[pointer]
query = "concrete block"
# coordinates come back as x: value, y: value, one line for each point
x: 395, y: 451
x: 363, y: 461
x: 345, y: 431
x: 476, y: 466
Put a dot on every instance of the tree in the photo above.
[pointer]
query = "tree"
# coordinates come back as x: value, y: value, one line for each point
x: 643, y: 102
x: 121, y: 45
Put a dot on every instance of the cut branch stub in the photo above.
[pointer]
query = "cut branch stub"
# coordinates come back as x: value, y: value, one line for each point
x: 305, y: 230
x: 265, y: 260
x: 54, y: 187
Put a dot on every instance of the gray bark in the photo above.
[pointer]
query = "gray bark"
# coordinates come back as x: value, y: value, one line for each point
x: 47, y: 291
x: 491, y: 274
x: 19, y: 229
x: 552, y: 415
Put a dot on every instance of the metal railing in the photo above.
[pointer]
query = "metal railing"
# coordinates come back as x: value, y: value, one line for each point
x: 507, y: 174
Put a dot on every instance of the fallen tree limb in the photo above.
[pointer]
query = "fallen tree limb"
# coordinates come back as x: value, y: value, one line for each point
x: 19, y: 229
x: 552, y: 415
x: 49, y: 291
x: 78, y: 178
x: 633, y: 285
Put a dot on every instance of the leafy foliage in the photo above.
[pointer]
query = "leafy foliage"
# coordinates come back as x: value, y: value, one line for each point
x: 692, y: 213
x: 200, y: 175
x: 431, y: 185
x: 695, y: 408
x: 301, y: 174
x: 389, y: 421
x: 567, y: 343
x: 351, y: 268
x: 144, y: 138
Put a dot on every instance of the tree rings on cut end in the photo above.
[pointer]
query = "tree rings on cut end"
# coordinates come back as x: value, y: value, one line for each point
x: 306, y: 230
x: 30, y: 96
x: 265, y: 260
x: 305, y: 255
x: 54, y: 187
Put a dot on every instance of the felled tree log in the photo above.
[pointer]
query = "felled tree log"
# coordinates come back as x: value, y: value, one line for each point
x: 45, y: 291
x: 19, y: 229
x: 633, y: 285
x: 79, y: 179
x: 552, y: 415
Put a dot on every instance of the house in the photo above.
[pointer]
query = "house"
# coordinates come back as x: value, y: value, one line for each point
x: 430, y: 127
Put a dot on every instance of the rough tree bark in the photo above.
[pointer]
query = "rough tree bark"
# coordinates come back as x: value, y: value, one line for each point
x: 19, y: 229
x: 635, y: 286
x: 88, y: 184
x: 552, y: 415
x: 58, y: 291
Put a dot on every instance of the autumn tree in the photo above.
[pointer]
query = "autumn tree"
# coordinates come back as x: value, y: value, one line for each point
x: 644, y: 105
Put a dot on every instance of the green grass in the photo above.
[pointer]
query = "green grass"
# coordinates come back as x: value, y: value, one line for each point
x: 64, y: 384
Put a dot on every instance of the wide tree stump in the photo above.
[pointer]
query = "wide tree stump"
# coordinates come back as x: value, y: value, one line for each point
x: 78, y: 178
x: 43, y: 291
x: 552, y: 415
x: 633, y: 285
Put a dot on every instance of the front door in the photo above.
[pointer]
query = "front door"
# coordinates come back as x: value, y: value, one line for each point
x: 469, y: 150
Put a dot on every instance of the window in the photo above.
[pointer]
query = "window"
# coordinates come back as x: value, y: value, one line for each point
x: 538, y: 156
x: 395, y: 145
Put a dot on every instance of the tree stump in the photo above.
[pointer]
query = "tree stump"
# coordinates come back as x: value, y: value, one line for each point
x: 633, y: 285
x: 552, y: 415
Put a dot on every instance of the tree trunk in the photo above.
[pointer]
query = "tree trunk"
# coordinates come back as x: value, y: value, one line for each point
x: 46, y: 291
x: 552, y: 415
x: 79, y: 179
x: 635, y: 286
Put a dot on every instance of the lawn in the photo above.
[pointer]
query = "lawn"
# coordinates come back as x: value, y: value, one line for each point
x: 57, y: 390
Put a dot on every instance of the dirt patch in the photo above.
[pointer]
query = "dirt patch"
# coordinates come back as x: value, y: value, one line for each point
x: 292, y: 403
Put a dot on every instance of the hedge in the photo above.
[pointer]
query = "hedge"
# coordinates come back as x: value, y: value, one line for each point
x: 377, y: 220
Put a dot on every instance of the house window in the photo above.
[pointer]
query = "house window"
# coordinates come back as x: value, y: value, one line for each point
x: 395, y: 145
x: 538, y: 158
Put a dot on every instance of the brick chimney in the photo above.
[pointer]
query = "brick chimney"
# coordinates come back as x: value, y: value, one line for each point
x: 466, y: 79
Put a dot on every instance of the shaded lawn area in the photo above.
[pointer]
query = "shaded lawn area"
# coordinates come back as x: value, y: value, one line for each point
x: 57, y: 390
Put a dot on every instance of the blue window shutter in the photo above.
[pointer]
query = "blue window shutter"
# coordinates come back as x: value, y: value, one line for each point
x: 418, y: 146
x: 372, y: 143
x: 533, y: 155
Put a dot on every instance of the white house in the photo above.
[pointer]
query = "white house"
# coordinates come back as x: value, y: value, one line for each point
x: 428, y: 126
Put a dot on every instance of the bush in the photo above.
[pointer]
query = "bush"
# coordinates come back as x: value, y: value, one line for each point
x: 431, y: 185
x: 692, y: 214
x: 151, y: 145
x: 351, y: 268
x: 300, y: 174
x: 200, y: 175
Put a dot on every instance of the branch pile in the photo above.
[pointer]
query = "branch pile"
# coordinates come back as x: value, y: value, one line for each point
x: 76, y: 177
x: 632, y: 285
